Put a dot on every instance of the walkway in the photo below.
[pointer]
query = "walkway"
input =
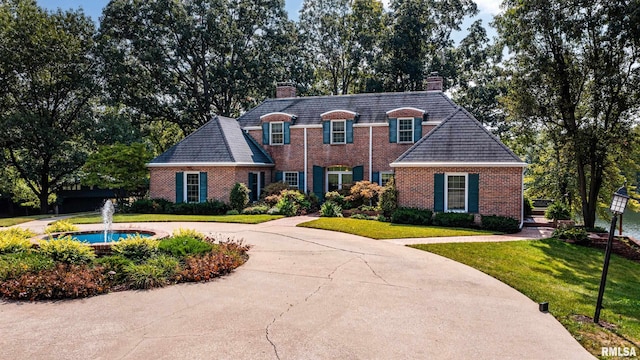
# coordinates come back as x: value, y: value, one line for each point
x: 304, y: 294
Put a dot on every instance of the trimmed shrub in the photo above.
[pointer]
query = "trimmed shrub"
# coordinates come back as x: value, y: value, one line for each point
x: 292, y: 203
x: 180, y: 232
x: 388, y: 200
x: 363, y: 192
x: 184, y: 245
x: 273, y: 189
x: 16, y: 264
x: 61, y: 282
x: 500, y: 223
x: 330, y: 209
x: 18, y: 232
x: 336, y: 198
x: 136, y: 248
x: 209, y: 207
x: 256, y: 210
x: 60, y: 226
x: 314, y: 202
x: 239, y: 197
x: 10, y: 243
x: 67, y: 250
x: 451, y: 219
x: 573, y: 234
x: 233, y: 212
x: 412, y: 216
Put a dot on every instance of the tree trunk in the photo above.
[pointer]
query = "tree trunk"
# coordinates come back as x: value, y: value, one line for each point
x: 44, y: 194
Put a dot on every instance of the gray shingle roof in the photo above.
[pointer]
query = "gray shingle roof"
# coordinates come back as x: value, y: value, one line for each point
x: 371, y: 107
x: 460, y: 138
x: 221, y: 140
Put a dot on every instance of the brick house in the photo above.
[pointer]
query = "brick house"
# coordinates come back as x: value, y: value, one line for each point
x: 440, y: 156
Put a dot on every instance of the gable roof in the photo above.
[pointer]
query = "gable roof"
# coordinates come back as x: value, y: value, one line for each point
x: 460, y: 140
x: 372, y: 107
x: 219, y: 142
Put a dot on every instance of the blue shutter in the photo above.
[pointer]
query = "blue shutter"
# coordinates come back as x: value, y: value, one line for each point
x: 438, y: 192
x: 278, y: 176
x: 326, y: 132
x: 301, y: 184
x: 417, y: 129
x: 474, y: 192
x: 203, y: 187
x: 358, y: 173
x: 287, y: 133
x: 252, y: 195
x: 265, y: 134
x: 179, y: 187
x: 393, y: 130
x: 375, y: 177
x: 349, y: 131
x: 318, y: 181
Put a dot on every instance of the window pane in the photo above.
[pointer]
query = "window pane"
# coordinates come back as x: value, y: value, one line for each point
x: 337, y: 132
x: 333, y: 182
x: 347, y: 181
x: 193, y: 187
x: 405, y: 130
x: 338, y: 125
x: 277, y: 134
x: 291, y: 179
x: 338, y: 138
x: 455, y: 192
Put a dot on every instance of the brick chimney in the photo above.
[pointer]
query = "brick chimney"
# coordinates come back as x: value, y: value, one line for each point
x: 434, y: 82
x: 285, y: 90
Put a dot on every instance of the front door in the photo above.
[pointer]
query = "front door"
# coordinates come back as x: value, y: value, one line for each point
x: 254, y: 186
x: 339, y: 177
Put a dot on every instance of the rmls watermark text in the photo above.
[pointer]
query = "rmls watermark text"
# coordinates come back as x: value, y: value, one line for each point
x: 618, y: 351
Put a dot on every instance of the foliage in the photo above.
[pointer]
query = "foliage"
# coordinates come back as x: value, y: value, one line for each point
x: 500, y: 223
x: 239, y: 197
x: 385, y: 230
x: 565, y: 275
x: 64, y: 281
x: 186, y: 62
x: 192, y: 233
x: 151, y: 206
x: 596, y: 229
x: 275, y: 188
x: 119, y: 167
x: 136, y: 248
x: 15, y: 240
x: 574, y: 234
x: 336, y: 198
x: 360, y: 216
x: 383, y: 218
x: 61, y: 226
x: 330, y: 209
x: 572, y: 83
x: 15, y: 264
x: 209, y: 207
x: 113, y: 266
x: 145, y: 276
x: 233, y: 212
x: 557, y: 211
x: 256, y: 209
x: 451, y: 219
x: 65, y: 249
x: 182, y: 246
x: 527, y: 206
x: 214, y: 264
x: 363, y: 192
x: 48, y: 77
x: 412, y: 216
x: 292, y: 203
x: 389, y: 198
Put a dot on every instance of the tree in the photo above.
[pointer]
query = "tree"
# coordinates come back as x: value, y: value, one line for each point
x: 418, y: 36
x: 119, y: 167
x: 184, y: 61
x: 575, y: 75
x: 48, y: 77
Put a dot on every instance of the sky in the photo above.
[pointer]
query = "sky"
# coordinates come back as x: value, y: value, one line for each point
x: 93, y: 8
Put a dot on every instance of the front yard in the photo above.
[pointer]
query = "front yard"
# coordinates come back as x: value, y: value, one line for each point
x: 383, y: 230
x: 567, y: 276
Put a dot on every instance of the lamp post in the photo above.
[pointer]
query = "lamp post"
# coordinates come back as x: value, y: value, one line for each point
x: 618, y: 204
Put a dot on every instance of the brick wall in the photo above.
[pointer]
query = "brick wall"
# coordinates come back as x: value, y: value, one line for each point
x: 500, y: 188
x: 220, y: 180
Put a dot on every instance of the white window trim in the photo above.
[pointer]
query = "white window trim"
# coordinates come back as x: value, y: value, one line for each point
x: 412, y: 130
x: 284, y: 178
x: 186, y: 186
x: 271, y: 132
x: 345, y: 131
x: 466, y: 192
x: 339, y: 173
x: 386, y: 173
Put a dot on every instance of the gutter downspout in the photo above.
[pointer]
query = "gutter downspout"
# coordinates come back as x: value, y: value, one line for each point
x: 370, y: 152
x: 306, y: 175
x: 522, y: 201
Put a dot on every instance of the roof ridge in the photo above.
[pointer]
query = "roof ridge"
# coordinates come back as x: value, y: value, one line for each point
x: 224, y: 137
x: 254, y: 142
x: 181, y: 140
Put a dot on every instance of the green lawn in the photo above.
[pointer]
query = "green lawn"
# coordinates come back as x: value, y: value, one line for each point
x: 4, y: 222
x: 121, y: 218
x: 382, y: 230
x: 567, y: 276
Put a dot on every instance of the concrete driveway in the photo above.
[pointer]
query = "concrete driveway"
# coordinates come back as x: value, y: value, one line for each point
x: 304, y: 294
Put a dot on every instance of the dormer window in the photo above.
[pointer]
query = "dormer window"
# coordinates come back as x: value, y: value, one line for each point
x: 276, y: 133
x: 405, y: 130
x: 338, y: 131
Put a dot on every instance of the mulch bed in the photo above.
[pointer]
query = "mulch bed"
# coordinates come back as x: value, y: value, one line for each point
x: 622, y: 246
